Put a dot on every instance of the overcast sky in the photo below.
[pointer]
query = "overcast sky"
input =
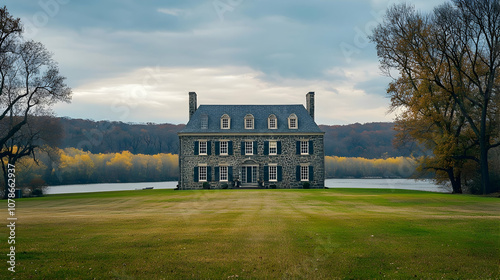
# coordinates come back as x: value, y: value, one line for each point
x: 136, y: 61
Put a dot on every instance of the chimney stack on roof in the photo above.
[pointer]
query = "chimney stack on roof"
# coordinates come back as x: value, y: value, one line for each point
x: 310, y: 103
x: 192, y: 103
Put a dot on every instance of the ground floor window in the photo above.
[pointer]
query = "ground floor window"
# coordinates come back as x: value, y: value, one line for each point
x: 304, y: 173
x: 202, y: 173
x: 273, y: 173
x: 223, y: 173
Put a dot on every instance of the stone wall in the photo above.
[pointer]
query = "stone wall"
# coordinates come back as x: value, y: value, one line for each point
x: 288, y: 159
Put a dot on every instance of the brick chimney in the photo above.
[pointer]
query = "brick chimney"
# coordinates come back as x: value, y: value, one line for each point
x: 310, y: 103
x: 192, y: 103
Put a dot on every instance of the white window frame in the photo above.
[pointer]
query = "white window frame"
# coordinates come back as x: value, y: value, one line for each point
x: 304, y: 147
x: 272, y: 122
x: 249, y: 148
x: 225, y: 122
x: 273, y: 173
x: 202, y: 147
x: 249, y: 121
x: 273, y: 148
x: 202, y: 173
x: 304, y: 173
x: 224, y: 148
x: 293, y: 122
x: 223, y: 173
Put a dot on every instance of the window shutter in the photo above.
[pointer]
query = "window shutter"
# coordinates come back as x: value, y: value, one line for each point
x: 243, y: 148
x: 217, y: 148
x: 311, y: 147
x: 266, y: 173
x: 196, y: 177
x: 298, y: 147
x: 209, y: 147
x: 280, y: 173
x: 311, y: 173
x: 279, y: 147
x: 297, y: 173
x: 254, y: 147
x: 196, y: 148
x: 229, y: 147
x: 266, y: 148
x: 230, y: 173
x: 217, y: 176
x: 209, y: 173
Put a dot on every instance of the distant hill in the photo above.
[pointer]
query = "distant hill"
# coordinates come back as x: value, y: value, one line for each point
x: 371, y: 140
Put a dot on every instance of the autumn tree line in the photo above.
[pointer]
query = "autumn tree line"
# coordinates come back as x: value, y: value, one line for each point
x: 75, y: 166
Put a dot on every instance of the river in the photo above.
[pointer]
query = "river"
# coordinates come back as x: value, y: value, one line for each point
x: 404, y: 184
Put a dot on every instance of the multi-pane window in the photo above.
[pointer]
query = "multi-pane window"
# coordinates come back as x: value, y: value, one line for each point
x: 249, y: 148
x: 273, y: 173
x: 223, y: 173
x: 292, y: 122
x: 202, y: 173
x: 203, y: 147
x: 272, y: 122
x: 225, y: 122
x: 273, y: 148
x: 223, y: 147
x: 304, y: 147
x: 304, y: 173
x: 249, y: 122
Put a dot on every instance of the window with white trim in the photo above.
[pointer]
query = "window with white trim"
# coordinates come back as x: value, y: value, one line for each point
x: 202, y: 147
x: 249, y: 148
x: 273, y: 148
x: 304, y: 173
x: 273, y: 173
x: 202, y: 173
x: 225, y: 122
x: 223, y: 148
x: 304, y: 147
x: 249, y: 122
x: 293, y: 122
x: 272, y: 122
x: 223, y: 173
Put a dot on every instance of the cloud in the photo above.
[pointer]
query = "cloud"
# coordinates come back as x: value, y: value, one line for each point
x: 160, y: 95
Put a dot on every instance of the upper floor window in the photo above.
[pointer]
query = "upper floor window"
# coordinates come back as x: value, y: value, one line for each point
x: 224, y: 147
x: 204, y: 122
x: 202, y: 147
x: 293, y: 122
x: 248, y: 148
x: 304, y: 147
x: 272, y: 122
x: 225, y: 122
x: 249, y: 122
x: 273, y: 148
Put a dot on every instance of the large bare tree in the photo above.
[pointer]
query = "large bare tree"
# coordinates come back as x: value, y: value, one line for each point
x: 448, y: 63
x: 30, y: 84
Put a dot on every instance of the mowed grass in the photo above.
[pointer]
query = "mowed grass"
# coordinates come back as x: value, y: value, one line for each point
x: 257, y: 234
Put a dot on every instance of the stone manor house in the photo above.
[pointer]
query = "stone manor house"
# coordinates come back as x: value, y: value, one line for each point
x: 266, y: 146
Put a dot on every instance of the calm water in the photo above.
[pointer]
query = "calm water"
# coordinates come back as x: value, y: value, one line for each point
x: 331, y: 183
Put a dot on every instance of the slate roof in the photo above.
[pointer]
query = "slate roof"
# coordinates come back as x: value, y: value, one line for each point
x: 260, y: 113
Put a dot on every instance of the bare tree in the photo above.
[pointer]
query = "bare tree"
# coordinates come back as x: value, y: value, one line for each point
x: 30, y: 84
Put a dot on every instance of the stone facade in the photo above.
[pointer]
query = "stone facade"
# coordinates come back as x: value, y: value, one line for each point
x: 284, y: 158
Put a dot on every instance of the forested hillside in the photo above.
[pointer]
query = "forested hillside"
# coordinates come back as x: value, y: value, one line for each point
x: 371, y: 140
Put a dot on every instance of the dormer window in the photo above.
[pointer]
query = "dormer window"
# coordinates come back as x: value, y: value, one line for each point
x: 272, y: 122
x: 293, y: 122
x: 225, y: 122
x: 249, y: 122
x: 204, y: 122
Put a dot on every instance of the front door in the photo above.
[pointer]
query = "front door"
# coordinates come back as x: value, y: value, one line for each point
x: 249, y: 174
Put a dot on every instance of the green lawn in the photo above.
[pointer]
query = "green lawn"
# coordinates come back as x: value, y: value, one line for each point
x: 256, y: 234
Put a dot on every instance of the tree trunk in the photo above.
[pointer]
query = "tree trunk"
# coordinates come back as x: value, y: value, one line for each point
x: 485, y: 172
x: 456, y: 181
